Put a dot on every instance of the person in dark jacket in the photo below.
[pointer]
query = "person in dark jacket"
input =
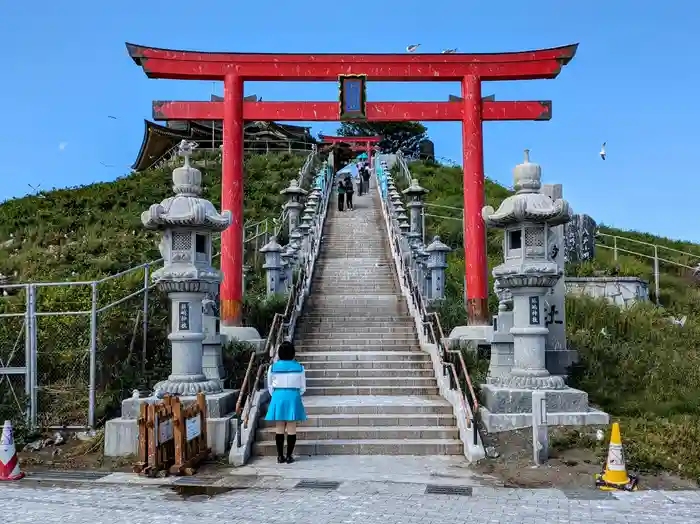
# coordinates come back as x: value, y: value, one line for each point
x: 349, y: 190
x: 365, y: 179
x: 341, y: 195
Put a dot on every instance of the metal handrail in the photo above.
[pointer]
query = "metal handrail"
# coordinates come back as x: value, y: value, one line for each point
x: 430, y: 320
x: 283, y: 324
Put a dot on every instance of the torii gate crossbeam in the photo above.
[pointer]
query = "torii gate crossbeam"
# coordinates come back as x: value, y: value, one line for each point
x: 468, y: 69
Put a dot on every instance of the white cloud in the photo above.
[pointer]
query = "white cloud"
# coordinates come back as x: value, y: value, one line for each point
x: 62, y: 146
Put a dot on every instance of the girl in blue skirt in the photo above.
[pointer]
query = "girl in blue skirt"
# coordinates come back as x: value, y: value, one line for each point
x: 286, y: 382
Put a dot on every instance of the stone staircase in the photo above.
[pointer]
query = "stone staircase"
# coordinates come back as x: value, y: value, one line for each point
x: 370, y: 389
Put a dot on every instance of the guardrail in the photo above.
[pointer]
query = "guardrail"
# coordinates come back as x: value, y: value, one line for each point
x: 655, y: 257
x: 430, y: 325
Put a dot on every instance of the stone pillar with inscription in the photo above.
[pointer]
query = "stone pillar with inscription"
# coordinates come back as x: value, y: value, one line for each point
x: 187, y: 276
x: 558, y: 356
x: 528, y: 273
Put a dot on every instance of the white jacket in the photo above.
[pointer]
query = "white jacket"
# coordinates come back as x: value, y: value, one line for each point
x: 286, y: 381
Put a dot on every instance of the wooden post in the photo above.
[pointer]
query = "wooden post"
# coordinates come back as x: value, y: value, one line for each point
x: 142, y: 456
x: 178, y: 434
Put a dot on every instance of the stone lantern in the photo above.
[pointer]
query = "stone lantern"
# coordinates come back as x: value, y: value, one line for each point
x: 415, y: 194
x: 295, y: 239
x: 273, y: 266
x: 436, y: 265
x: 293, y: 206
x: 528, y: 274
x: 187, y: 222
x: 287, y: 257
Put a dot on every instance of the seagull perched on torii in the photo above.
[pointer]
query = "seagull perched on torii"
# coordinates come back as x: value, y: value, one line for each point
x: 412, y: 48
x: 449, y: 51
x: 602, y: 151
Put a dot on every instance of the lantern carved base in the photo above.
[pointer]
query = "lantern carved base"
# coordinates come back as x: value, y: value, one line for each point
x: 528, y: 382
x: 176, y: 386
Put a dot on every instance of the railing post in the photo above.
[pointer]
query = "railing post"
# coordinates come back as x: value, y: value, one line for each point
x: 144, y: 334
x: 33, y: 349
x: 615, y: 248
x: 27, y: 356
x: 93, y: 357
x: 657, y: 285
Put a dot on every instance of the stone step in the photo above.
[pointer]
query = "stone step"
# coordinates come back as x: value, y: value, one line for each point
x: 367, y: 447
x: 373, y: 390
x: 358, y: 312
x: 303, y: 347
x: 335, y: 373
x: 356, y: 341
x: 376, y: 405
x: 374, y: 420
x: 357, y: 300
x: 374, y: 320
x: 342, y: 330
x: 384, y: 365
x: 316, y: 335
x: 382, y: 381
x: 349, y: 356
x: 305, y: 433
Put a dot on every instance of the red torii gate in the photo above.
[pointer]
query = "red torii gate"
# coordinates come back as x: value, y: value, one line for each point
x: 468, y: 69
x: 359, y: 140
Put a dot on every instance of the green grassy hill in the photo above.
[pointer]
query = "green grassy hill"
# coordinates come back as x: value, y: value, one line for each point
x: 90, y: 232
x: 635, y: 364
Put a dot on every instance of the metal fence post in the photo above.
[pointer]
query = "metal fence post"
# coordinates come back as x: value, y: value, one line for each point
x: 27, y: 357
x: 33, y: 356
x: 615, y: 248
x: 144, y: 335
x: 657, y: 285
x: 93, y: 356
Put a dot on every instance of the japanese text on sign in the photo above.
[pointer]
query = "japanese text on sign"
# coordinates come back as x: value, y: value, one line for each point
x: 184, y: 316
x: 534, y: 311
x: 193, y: 427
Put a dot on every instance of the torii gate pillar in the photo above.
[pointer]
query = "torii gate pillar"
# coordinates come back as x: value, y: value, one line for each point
x: 475, y: 263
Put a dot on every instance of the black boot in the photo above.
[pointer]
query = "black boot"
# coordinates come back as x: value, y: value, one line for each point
x: 291, y: 440
x: 279, y: 440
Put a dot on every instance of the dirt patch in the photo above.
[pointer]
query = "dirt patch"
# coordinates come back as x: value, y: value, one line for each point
x: 74, y: 454
x: 575, y: 457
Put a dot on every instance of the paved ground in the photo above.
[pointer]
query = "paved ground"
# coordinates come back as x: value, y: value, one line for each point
x: 27, y: 502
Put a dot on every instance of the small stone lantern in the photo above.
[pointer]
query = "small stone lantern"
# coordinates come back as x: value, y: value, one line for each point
x: 528, y: 272
x: 187, y: 222
x: 273, y: 266
x: 293, y: 206
x: 415, y: 194
x: 287, y: 257
x: 436, y: 265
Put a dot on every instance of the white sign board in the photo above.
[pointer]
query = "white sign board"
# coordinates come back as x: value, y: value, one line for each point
x: 194, y: 427
x: 165, y: 431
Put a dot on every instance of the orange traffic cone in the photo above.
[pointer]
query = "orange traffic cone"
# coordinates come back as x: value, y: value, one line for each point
x: 614, y: 476
x: 9, y: 463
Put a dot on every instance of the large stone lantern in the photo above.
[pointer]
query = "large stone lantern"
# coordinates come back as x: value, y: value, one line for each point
x: 187, y: 222
x: 528, y: 272
x: 526, y: 276
x: 294, y: 205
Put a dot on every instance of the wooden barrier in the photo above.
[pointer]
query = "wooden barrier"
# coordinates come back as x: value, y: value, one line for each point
x: 172, y: 438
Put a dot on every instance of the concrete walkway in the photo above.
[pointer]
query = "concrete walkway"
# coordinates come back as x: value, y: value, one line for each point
x: 27, y: 502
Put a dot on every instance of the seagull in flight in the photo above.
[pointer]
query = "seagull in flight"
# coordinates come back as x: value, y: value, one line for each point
x: 449, y: 51
x: 112, y: 117
x: 412, y: 48
x: 602, y: 151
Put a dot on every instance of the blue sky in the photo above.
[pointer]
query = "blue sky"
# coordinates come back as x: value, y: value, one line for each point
x: 633, y: 83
